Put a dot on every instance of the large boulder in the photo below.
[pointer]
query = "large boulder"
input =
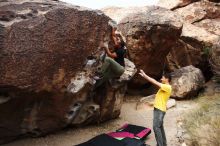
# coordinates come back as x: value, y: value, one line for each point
x: 186, y: 82
x: 191, y: 32
x: 193, y: 48
x: 149, y: 36
x: 174, y: 4
x: 118, y: 13
x: 211, y: 25
x: 199, y: 34
x: 199, y: 11
x: 48, y: 55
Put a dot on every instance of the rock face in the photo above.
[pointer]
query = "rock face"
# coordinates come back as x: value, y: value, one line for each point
x: 211, y: 25
x: 118, y: 13
x: 183, y: 56
x: 46, y: 68
x: 41, y: 34
x: 199, y: 11
x: 106, y: 101
x: 193, y: 49
x: 186, y: 82
x: 174, y: 4
x: 149, y: 37
x: 200, y: 32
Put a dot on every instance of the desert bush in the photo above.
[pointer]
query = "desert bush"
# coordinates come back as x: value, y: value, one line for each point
x: 203, y: 123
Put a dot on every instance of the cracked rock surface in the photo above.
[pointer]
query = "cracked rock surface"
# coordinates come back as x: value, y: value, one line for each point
x: 49, y: 51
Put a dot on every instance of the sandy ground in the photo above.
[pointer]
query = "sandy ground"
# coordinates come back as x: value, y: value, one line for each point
x: 129, y: 114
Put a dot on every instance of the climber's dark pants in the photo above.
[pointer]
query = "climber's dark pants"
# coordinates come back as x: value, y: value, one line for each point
x: 158, y: 127
x: 110, y: 69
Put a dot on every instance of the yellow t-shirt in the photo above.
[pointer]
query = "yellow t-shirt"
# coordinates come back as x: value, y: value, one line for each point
x: 162, y: 97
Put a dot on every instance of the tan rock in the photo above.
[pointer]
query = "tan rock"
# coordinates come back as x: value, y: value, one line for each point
x: 118, y: 13
x: 149, y: 37
x: 186, y: 82
x: 174, y: 4
x: 198, y: 11
x: 199, y: 34
x: 211, y: 25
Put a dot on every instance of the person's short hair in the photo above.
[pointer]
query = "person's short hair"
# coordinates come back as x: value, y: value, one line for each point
x: 168, y: 76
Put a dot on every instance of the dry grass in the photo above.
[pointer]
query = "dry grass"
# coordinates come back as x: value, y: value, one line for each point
x: 203, y: 124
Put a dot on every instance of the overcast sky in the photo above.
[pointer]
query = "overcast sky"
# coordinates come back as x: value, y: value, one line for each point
x: 97, y: 4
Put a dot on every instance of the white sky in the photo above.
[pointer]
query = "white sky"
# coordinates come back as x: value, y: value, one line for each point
x: 97, y: 4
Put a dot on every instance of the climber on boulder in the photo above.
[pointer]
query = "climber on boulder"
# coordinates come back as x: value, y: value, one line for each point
x: 113, y: 63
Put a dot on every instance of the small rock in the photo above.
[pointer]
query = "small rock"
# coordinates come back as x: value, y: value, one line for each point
x: 171, y: 103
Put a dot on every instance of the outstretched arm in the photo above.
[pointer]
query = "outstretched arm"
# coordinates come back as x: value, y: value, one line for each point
x: 153, y: 81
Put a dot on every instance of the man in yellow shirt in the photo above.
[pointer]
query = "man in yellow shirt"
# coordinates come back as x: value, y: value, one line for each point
x: 160, y: 103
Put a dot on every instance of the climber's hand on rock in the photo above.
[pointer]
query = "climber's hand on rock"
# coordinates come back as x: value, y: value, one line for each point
x: 113, y: 31
x: 105, y: 48
x: 142, y: 73
x: 101, y: 45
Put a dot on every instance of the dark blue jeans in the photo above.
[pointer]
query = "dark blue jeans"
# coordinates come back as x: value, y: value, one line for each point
x: 158, y: 127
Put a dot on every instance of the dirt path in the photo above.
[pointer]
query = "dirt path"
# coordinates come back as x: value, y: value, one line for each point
x: 129, y: 114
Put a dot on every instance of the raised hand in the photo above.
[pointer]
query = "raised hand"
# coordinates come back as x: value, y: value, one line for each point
x: 142, y: 73
x: 101, y: 45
